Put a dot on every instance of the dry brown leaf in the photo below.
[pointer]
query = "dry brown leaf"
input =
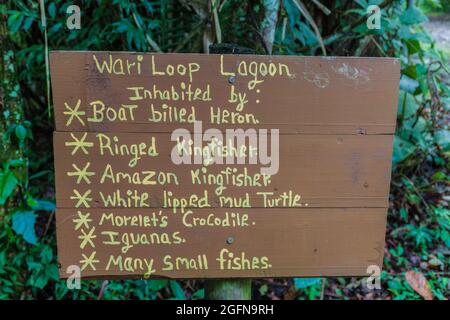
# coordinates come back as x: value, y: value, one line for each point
x: 290, y: 294
x: 435, y: 263
x: 419, y: 284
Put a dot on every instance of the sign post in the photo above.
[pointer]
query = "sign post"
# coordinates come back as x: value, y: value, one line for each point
x: 221, y: 166
x: 230, y: 289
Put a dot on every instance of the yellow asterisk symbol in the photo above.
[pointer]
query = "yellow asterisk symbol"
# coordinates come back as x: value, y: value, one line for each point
x: 82, y: 220
x: 87, y: 238
x: 79, y: 143
x: 82, y: 174
x: 74, y: 113
x: 82, y: 199
x: 89, y: 261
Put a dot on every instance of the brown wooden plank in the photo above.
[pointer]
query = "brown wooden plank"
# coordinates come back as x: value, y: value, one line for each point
x: 323, y: 95
x: 325, y: 170
x: 336, y: 118
x: 296, y: 242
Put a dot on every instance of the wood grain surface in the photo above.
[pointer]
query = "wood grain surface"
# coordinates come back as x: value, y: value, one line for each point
x: 324, y: 95
x: 308, y: 242
x: 122, y: 215
x: 325, y: 170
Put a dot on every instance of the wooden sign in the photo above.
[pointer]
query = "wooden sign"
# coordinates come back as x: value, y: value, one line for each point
x: 133, y: 200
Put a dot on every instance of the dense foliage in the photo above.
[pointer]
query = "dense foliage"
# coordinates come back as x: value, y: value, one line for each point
x: 418, y: 224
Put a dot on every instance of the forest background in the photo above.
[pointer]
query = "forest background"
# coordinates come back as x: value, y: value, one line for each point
x: 417, y: 239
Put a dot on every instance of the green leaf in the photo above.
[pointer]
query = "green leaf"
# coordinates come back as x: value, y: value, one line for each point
x: 41, y: 281
x: 43, y: 205
x: 8, y: 183
x: 199, y: 294
x: 156, y: 285
x: 28, y: 22
x: 52, y: 272
x: 55, y: 28
x: 403, y: 213
x: 15, y: 20
x: 408, y: 84
x: 439, y: 176
x: 177, y: 291
x: 410, y: 71
x: 443, y: 139
x: 21, y: 132
x: 2, y: 261
x: 413, y: 46
x: 413, y: 16
x: 23, y: 224
x: 402, y: 149
x: 52, y: 10
x: 407, y: 106
x: 46, y: 255
x: 301, y: 283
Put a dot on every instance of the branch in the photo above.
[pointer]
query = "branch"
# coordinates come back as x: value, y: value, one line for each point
x: 301, y: 7
x: 269, y: 23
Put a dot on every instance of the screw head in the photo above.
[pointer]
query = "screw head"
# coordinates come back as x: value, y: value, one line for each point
x: 230, y: 240
x: 232, y: 79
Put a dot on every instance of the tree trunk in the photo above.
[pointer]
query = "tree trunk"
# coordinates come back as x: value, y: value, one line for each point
x: 11, y: 115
